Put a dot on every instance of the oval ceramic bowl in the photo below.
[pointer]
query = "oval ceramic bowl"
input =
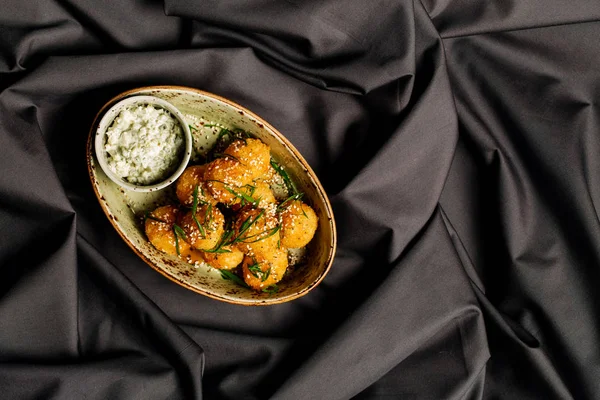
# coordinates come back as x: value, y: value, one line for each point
x: 206, y: 114
x: 106, y: 121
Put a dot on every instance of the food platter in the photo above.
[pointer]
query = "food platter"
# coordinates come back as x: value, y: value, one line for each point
x: 205, y: 113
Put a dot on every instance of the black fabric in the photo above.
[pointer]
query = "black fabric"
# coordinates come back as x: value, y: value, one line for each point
x: 458, y: 141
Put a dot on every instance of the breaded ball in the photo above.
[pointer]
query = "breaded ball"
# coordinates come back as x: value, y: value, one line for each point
x: 160, y: 231
x: 257, y: 230
x: 253, y: 154
x: 260, y: 272
x: 224, y: 175
x: 228, y: 260
x: 190, y: 178
x: 298, y: 224
x: 211, y: 223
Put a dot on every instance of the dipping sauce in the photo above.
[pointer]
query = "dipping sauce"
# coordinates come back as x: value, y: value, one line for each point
x: 144, y: 144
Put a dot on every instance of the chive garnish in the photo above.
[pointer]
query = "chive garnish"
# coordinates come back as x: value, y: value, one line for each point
x: 252, y: 189
x: 194, y: 208
x: 266, y: 275
x: 286, y: 178
x: 192, y: 127
x: 244, y: 197
x: 230, y: 276
x: 270, y: 233
x: 271, y: 289
x: 293, y: 197
x: 245, y: 226
x: 240, y: 195
x: 255, y: 270
x: 223, y: 132
x: 303, y: 212
x: 222, y: 241
x: 176, y: 242
x: 228, y: 238
x: 216, y: 180
x: 177, y: 231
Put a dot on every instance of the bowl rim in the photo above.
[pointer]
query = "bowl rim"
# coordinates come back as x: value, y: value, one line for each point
x: 271, y: 128
x: 106, y: 121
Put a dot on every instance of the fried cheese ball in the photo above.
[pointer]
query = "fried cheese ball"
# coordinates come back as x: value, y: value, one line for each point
x: 190, y: 178
x: 260, y: 272
x: 253, y: 154
x: 256, y: 230
x: 298, y: 224
x: 224, y: 175
x: 228, y: 260
x: 159, y: 227
x: 211, y: 223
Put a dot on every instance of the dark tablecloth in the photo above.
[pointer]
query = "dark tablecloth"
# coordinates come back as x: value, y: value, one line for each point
x: 458, y: 141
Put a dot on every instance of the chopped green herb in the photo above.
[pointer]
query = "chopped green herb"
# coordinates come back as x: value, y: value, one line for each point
x: 177, y: 231
x: 303, y: 212
x: 252, y: 189
x: 217, y: 250
x: 286, y: 178
x: 266, y: 275
x: 223, y: 241
x: 286, y: 202
x: 272, y: 289
x: 245, y: 226
x: 268, y: 232
x: 216, y: 180
x: 255, y: 270
x: 244, y: 197
x: 230, y: 276
x: 193, y: 128
x: 195, y: 200
x: 223, y: 132
x: 194, y: 208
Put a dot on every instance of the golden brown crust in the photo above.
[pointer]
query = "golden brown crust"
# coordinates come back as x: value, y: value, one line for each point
x: 228, y: 260
x: 160, y: 232
x: 224, y: 175
x: 207, y: 235
x: 252, y: 154
x: 261, y: 229
x: 190, y: 178
x: 257, y: 230
x: 261, y: 271
x: 299, y: 223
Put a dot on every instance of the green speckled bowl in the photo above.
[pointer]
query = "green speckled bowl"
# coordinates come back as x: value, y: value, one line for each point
x: 125, y: 208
